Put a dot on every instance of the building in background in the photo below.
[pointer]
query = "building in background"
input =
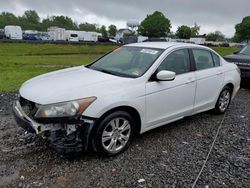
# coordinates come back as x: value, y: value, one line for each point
x: 121, y: 33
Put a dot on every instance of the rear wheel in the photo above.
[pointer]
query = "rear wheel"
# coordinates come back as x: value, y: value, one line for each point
x: 114, y: 134
x: 223, y: 101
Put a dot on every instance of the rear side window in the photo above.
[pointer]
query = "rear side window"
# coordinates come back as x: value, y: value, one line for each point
x: 203, y: 59
x: 216, y: 60
x: 178, y: 62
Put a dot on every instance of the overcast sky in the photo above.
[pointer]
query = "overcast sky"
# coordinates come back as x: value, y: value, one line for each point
x: 211, y: 15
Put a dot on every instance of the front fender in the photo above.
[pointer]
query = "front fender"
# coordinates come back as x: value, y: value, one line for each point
x: 102, y: 105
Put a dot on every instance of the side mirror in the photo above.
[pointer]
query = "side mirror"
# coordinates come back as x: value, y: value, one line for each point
x: 236, y: 52
x: 165, y: 75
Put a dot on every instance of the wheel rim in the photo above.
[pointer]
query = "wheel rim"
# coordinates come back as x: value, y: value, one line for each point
x: 116, y: 134
x: 224, y: 100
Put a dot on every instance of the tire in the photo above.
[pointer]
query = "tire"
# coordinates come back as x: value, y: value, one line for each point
x: 223, y: 101
x: 113, y: 134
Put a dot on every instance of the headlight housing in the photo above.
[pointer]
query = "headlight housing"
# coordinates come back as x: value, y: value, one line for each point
x: 64, y: 109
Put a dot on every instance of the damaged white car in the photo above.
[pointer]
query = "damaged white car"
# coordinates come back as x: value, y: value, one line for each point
x: 129, y: 91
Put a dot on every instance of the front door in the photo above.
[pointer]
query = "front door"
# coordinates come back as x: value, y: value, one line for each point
x: 170, y: 100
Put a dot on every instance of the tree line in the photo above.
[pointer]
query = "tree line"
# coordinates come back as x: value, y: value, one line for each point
x: 30, y: 20
x: 153, y: 26
x: 157, y: 25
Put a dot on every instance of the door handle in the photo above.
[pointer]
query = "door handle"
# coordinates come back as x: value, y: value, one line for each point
x: 219, y: 73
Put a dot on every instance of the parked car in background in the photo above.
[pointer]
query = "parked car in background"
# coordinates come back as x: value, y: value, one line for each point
x: 242, y: 60
x: 155, y: 40
x: 102, y: 39
x: 13, y: 32
x: 30, y: 31
x: 30, y: 36
x: 225, y: 44
x: 129, y: 91
x: 43, y: 36
x: 113, y: 40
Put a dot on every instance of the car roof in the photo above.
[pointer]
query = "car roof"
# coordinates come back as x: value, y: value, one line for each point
x: 162, y: 45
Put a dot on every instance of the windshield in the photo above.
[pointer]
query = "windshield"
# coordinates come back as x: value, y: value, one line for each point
x: 245, y: 50
x: 127, y: 61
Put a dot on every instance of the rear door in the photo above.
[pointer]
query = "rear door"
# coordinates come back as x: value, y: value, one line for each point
x: 209, y: 75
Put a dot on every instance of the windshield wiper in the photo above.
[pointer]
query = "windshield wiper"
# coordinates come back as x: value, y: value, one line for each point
x: 120, y: 74
x: 103, y: 70
x: 107, y: 71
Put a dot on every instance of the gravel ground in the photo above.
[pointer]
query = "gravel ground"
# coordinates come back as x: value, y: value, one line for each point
x: 170, y: 156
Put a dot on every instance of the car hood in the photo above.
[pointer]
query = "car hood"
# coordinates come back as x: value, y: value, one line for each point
x: 238, y: 57
x: 70, y: 84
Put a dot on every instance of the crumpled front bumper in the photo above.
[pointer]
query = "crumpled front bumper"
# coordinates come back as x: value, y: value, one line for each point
x: 23, y: 120
x: 62, y: 142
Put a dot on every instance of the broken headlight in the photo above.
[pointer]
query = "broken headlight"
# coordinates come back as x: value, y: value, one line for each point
x: 64, y: 109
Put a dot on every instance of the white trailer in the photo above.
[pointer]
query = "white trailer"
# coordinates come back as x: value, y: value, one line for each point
x: 88, y: 36
x: 81, y: 36
x: 72, y: 36
x: 13, y: 32
x: 198, y: 40
x: 57, y: 33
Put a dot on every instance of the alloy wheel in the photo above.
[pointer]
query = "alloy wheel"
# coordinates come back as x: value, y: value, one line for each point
x: 224, y: 100
x: 116, y: 134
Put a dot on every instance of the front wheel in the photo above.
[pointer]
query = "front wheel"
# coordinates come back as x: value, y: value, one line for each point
x: 223, y: 101
x: 114, y: 133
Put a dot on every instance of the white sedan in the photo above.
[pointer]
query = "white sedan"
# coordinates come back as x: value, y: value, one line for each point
x: 131, y: 90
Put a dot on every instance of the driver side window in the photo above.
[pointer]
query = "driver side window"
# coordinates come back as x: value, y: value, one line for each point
x: 178, y: 62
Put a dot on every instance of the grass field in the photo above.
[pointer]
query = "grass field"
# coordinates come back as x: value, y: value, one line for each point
x: 223, y: 51
x: 20, y: 62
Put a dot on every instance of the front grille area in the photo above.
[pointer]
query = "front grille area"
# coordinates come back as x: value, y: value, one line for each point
x: 28, y: 107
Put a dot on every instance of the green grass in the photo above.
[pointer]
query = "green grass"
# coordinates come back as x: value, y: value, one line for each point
x: 16, y: 49
x: 223, y: 51
x: 20, y: 62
